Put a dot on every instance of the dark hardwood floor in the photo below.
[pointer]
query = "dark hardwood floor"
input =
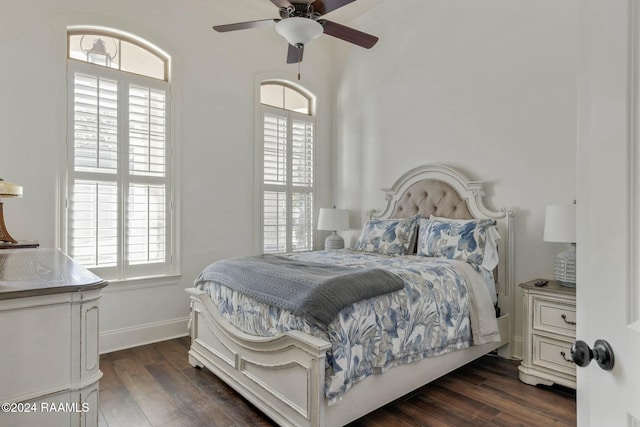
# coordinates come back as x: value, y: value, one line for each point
x: 154, y: 385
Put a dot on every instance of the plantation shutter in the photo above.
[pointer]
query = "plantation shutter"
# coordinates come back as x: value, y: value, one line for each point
x: 302, y: 153
x: 93, y: 231
x: 274, y: 178
x: 146, y: 224
x: 147, y: 131
x: 118, y: 209
x: 146, y: 208
x: 287, y: 181
x: 275, y: 150
x: 275, y: 221
x: 302, y: 183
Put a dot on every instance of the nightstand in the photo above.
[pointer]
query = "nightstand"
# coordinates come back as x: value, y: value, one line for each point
x: 549, y: 333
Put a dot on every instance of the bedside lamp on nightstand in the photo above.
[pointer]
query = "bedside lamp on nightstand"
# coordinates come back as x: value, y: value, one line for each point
x: 560, y: 226
x: 333, y: 220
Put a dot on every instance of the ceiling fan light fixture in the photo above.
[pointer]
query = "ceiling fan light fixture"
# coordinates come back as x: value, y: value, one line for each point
x: 298, y: 30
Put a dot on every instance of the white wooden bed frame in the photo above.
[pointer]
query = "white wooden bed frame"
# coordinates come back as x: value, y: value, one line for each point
x: 284, y: 376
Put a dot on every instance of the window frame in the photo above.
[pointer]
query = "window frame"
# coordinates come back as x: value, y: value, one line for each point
x: 93, y: 31
x: 124, y: 271
x: 289, y: 187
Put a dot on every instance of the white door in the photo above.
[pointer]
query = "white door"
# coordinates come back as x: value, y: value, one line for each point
x: 608, y: 203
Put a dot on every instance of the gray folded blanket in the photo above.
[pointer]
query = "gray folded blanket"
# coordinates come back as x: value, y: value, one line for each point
x: 316, y: 291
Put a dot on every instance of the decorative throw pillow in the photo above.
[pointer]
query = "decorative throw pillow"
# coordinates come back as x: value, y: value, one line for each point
x: 461, y: 240
x: 388, y: 236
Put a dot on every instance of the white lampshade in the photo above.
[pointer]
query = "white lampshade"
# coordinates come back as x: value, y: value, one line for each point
x: 9, y: 189
x: 298, y: 30
x: 560, y: 224
x: 333, y: 219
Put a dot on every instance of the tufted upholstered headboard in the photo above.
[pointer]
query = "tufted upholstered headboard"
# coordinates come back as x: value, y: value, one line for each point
x: 431, y: 197
x: 440, y: 191
x: 445, y: 192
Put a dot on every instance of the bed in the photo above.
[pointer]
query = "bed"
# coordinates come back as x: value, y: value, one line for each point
x: 298, y: 376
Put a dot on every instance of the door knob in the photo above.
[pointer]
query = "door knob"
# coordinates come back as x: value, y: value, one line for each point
x: 602, y: 352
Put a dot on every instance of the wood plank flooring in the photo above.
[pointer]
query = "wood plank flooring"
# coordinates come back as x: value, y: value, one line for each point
x: 154, y: 385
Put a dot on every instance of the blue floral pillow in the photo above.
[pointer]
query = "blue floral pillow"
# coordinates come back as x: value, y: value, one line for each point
x: 461, y: 240
x: 388, y: 236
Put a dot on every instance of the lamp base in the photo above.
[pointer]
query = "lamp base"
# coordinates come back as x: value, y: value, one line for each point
x: 334, y: 241
x: 4, y: 234
x: 564, y: 267
x: 20, y: 244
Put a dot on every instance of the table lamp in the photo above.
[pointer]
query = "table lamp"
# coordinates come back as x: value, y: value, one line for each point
x: 560, y: 226
x: 7, y: 189
x: 333, y: 220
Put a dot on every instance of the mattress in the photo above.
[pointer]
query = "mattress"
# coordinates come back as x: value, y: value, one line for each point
x: 445, y: 305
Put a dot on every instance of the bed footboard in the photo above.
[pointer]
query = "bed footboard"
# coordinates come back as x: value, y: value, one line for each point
x: 283, y: 376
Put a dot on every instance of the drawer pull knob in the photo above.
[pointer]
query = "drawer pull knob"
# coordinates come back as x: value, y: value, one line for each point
x: 567, y: 359
x: 568, y: 322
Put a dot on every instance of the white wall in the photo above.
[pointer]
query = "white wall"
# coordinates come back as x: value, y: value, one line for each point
x: 488, y: 87
x: 214, y: 78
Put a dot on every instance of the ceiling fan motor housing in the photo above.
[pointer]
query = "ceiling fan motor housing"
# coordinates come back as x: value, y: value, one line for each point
x: 301, y: 10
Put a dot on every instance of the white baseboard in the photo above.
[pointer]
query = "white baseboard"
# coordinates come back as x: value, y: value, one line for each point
x: 119, y: 339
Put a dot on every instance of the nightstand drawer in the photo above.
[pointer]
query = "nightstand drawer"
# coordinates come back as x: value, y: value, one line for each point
x: 550, y: 316
x: 553, y: 354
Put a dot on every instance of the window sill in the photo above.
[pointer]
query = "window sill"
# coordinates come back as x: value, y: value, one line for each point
x: 142, y: 283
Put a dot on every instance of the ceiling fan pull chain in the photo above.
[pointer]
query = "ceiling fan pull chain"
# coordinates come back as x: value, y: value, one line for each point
x: 299, y: 61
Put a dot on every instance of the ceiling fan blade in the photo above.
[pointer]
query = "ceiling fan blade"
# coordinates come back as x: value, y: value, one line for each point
x: 326, y: 6
x: 349, y: 34
x: 282, y: 3
x: 245, y: 25
x: 294, y: 54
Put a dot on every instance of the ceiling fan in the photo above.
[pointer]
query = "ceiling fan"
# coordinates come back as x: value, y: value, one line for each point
x: 301, y: 22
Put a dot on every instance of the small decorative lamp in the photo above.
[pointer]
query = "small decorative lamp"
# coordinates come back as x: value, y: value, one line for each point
x: 333, y: 220
x: 560, y: 226
x: 7, y: 189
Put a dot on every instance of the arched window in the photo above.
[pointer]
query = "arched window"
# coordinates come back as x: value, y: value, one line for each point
x: 278, y: 94
x: 119, y: 217
x: 287, y: 142
x: 115, y: 51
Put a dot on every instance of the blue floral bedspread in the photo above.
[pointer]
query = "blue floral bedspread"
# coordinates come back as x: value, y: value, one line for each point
x: 429, y: 317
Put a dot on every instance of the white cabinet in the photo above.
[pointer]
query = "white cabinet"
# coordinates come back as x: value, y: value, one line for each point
x: 550, y: 330
x: 49, y: 362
